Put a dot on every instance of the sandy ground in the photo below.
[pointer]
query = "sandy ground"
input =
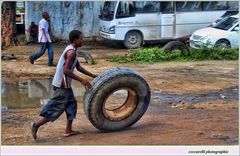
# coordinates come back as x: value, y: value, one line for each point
x: 209, y: 121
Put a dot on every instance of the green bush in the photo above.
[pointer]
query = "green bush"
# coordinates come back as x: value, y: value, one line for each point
x: 152, y: 55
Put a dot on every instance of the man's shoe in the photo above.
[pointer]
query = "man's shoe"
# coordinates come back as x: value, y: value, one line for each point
x: 31, y: 60
x: 34, y: 130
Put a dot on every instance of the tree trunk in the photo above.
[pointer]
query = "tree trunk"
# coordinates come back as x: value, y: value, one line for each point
x: 8, y: 29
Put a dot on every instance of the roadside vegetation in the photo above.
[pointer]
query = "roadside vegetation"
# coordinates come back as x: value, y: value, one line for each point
x: 153, y: 55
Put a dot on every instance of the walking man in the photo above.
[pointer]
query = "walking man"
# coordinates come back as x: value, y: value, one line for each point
x: 44, y: 40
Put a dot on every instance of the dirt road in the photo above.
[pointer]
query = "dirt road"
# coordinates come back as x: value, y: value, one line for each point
x: 193, y: 103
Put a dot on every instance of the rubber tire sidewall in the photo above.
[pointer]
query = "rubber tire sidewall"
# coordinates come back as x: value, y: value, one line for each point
x: 170, y: 46
x: 139, y: 40
x: 95, y: 112
x: 217, y: 45
x: 87, y: 56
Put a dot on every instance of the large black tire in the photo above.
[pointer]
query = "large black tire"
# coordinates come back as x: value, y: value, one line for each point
x: 130, y: 112
x: 87, y: 56
x: 176, y: 45
x: 133, y: 40
x: 222, y: 43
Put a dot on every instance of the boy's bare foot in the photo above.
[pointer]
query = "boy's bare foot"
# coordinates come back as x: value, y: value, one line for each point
x: 34, y: 130
x: 71, y: 133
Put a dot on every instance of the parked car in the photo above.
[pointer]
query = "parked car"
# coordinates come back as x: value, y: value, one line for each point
x: 223, y: 34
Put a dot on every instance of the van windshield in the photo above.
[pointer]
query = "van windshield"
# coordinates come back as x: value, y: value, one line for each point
x: 226, y: 23
x: 107, y: 11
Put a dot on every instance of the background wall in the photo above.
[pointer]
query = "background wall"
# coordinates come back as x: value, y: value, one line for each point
x: 66, y: 16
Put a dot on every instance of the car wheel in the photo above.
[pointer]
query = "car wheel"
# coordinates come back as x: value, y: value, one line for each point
x: 121, y: 113
x: 222, y: 43
x: 133, y: 40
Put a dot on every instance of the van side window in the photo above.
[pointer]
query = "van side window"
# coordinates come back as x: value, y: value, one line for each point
x: 147, y: 6
x: 233, y: 5
x: 189, y: 6
x: 167, y: 7
x: 125, y: 9
x: 107, y: 11
x: 215, y: 5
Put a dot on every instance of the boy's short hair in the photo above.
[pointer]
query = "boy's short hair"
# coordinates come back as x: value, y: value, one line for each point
x: 74, y: 34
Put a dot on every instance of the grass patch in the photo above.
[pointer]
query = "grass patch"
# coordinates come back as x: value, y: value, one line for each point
x: 153, y: 55
x: 94, y: 62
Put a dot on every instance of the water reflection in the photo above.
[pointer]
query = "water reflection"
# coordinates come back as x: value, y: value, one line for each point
x: 31, y: 93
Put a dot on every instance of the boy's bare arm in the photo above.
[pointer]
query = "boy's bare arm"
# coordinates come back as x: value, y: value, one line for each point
x: 70, y: 55
x: 84, y: 71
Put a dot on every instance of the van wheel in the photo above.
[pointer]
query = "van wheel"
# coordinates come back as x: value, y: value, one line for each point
x: 130, y: 95
x: 133, y: 40
x: 176, y: 45
x: 87, y: 56
x: 222, y: 43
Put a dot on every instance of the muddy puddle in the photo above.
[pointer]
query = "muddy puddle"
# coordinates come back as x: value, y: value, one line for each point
x: 36, y: 93
x: 31, y: 93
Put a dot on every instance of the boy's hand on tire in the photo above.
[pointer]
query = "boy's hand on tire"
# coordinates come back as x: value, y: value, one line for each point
x: 94, y: 76
x: 86, y: 84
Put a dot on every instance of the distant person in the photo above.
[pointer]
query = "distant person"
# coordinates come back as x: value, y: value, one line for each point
x: 63, y: 98
x: 44, y: 40
x: 32, y: 33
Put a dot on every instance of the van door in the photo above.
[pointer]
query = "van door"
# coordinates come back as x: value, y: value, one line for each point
x: 147, y: 14
x: 167, y: 20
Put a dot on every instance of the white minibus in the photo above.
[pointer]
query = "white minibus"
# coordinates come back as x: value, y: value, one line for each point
x: 137, y: 22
